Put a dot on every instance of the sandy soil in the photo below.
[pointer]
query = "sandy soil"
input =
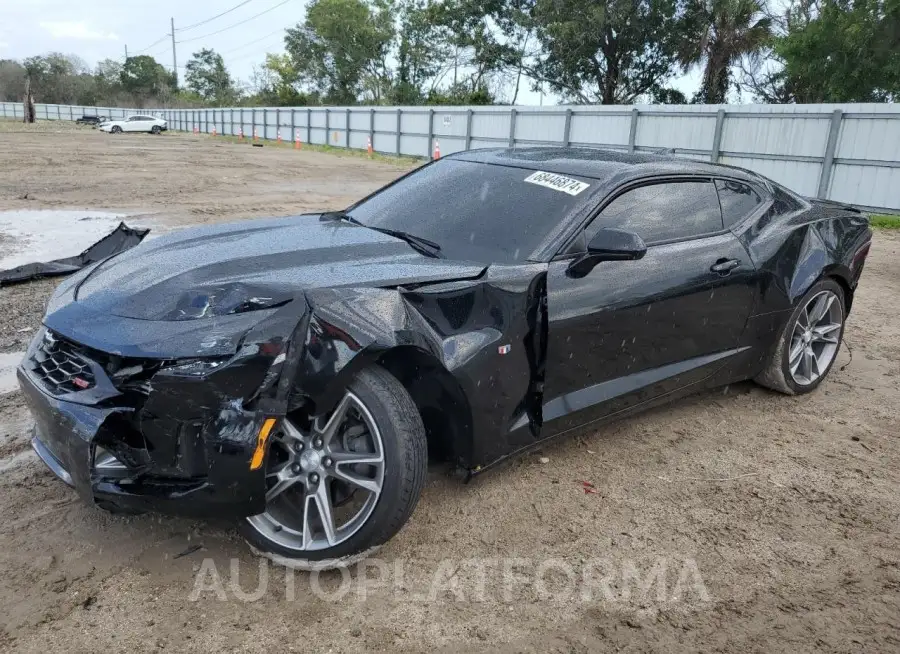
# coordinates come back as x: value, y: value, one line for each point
x: 777, y: 515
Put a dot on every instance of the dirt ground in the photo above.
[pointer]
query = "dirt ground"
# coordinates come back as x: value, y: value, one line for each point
x: 738, y: 520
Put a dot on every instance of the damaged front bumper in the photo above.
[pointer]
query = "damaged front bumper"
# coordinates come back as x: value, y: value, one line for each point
x: 160, y: 441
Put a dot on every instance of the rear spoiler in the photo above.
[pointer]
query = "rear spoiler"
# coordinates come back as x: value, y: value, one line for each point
x: 833, y: 204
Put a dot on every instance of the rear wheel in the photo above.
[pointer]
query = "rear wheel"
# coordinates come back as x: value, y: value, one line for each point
x: 809, y: 344
x: 155, y: 129
x: 339, y: 486
x: 116, y: 129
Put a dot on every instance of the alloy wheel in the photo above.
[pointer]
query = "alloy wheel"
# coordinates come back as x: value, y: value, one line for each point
x: 323, y: 477
x: 816, y: 338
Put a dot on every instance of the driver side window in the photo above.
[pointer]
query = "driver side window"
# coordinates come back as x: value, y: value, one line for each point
x: 663, y: 212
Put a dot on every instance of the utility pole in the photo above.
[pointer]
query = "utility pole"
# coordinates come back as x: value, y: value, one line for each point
x: 126, y: 52
x: 174, y: 59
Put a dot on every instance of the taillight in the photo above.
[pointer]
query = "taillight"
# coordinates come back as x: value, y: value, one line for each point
x: 860, y: 257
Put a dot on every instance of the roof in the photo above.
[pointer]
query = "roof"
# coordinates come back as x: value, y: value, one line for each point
x: 609, y: 166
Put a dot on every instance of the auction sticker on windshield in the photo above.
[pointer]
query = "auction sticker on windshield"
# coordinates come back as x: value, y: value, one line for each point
x: 557, y: 182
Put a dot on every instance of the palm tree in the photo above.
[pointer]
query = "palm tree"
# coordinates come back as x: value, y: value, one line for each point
x: 718, y: 34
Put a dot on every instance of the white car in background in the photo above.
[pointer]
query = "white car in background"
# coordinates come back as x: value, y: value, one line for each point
x: 137, y: 123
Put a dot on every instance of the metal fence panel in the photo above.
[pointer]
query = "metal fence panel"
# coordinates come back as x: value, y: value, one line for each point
x: 491, y: 124
x: 594, y: 129
x: 801, y: 177
x: 673, y: 131
x: 874, y: 186
x: 540, y: 127
x: 416, y: 146
x: 845, y: 152
x: 414, y: 121
x: 451, y: 144
x: 785, y: 136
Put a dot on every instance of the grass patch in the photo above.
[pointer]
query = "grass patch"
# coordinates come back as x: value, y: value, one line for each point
x: 884, y: 222
x: 404, y: 161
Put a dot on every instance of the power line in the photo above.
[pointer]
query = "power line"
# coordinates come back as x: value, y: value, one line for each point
x: 224, y: 29
x: 204, y: 22
x: 241, y: 47
x: 164, y: 37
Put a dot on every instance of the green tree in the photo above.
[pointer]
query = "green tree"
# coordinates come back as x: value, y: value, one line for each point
x: 206, y: 75
x: 341, y: 50
x: 719, y: 33
x: 422, y: 52
x: 145, y: 78
x: 12, y: 80
x: 276, y: 83
x: 59, y: 78
x: 475, y: 47
x: 847, y: 51
x: 609, y: 51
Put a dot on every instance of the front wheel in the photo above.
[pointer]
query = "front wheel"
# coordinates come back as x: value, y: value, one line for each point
x: 155, y: 129
x: 116, y: 129
x: 339, y: 486
x: 809, y: 344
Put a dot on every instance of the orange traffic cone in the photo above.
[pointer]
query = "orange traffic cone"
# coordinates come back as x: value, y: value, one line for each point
x: 240, y: 133
x: 196, y: 130
x: 213, y: 131
x: 369, y: 146
x: 437, y: 149
x: 279, y: 137
x: 255, y: 135
x: 298, y: 145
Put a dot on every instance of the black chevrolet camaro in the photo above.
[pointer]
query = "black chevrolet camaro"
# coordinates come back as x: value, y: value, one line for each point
x: 296, y: 373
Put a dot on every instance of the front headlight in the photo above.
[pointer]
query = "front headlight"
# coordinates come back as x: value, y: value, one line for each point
x: 194, y: 367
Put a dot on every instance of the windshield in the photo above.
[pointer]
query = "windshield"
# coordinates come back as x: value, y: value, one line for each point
x: 474, y: 211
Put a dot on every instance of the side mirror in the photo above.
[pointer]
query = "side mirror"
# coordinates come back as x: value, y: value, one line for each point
x: 608, y: 244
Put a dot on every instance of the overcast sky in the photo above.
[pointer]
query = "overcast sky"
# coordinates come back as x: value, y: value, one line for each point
x: 101, y: 29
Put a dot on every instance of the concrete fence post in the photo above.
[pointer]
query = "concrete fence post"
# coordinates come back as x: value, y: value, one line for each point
x: 372, y: 127
x: 469, y: 114
x: 512, y: 127
x: 399, y: 133
x: 308, y: 124
x: 293, y: 136
x: 834, y: 130
x: 632, y: 129
x: 347, y: 129
x: 567, y: 130
x: 327, y: 126
x: 717, y: 137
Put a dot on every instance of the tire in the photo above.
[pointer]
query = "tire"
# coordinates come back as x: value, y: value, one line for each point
x: 778, y: 374
x: 155, y: 130
x: 378, y: 396
x: 116, y: 129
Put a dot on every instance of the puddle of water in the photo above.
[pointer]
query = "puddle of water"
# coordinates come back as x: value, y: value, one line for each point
x: 46, y: 235
x: 8, y: 363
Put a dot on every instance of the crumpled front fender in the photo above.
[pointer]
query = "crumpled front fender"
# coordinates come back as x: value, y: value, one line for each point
x: 489, y: 334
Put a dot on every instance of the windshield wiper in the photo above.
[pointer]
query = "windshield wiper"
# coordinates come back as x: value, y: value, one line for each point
x: 419, y: 244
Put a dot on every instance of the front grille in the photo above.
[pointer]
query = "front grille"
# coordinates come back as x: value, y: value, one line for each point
x: 61, y: 366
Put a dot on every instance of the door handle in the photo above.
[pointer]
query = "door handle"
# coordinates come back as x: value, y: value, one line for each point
x: 725, y: 266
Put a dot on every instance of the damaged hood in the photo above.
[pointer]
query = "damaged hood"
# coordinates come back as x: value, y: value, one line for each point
x: 227, y: 269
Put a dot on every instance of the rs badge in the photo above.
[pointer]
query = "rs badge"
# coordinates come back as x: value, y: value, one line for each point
x: 504, y: 349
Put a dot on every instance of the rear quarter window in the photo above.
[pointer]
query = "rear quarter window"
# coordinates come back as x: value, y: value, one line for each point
x: 738, y: 201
